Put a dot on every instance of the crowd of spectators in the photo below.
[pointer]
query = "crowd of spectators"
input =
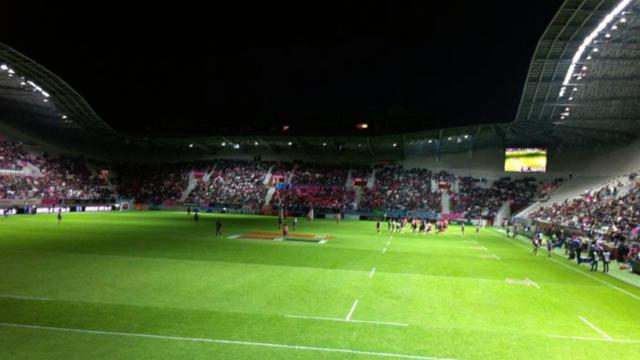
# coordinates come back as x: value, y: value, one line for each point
x: 315, y: 196
x: 476, y: 198
x: 236, y: 183
x: 307, y: 174
x: 12, y: 156
x: 397, y: 188
x: 60, y: 178
x: 600, y: 210
x: 151, y: 183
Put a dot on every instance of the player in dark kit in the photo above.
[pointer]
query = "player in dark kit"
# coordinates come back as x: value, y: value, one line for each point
x: 59, y: 215
x: 378, y: 227
x: 462, y: 228
x: 196, y: 216
x: 218, y: 228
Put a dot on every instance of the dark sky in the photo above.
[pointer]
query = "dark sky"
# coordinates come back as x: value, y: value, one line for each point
x: 399, y: 66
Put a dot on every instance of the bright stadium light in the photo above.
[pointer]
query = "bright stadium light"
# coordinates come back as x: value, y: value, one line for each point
x: 256, y: 143
x: 190, y: 145
x: 236, y: 146
x: 430, y: 141
x: 289, y: 143
x: 64, y: 117
x: 466, y: 136
x: 224, y: 143
x: 324, y: 144
x: 591, y: 37
x: 395, y: 144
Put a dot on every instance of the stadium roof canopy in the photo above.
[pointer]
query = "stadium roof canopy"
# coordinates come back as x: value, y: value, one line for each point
x: 583, y: 84
x: 583, y: 87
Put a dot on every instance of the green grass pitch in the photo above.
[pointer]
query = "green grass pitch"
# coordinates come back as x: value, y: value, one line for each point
x: 156, y: 285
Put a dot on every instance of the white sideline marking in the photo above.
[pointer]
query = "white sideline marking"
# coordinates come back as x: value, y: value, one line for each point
x: 492, y: 256
x: 595, y: 328
x: 233, y: 237
x: 223, y: 341
x: 582, y: 273
x: 384, y: 250
x: 594, y: 339
x: 24, y: 297
x: 353, y: 308
x: 596, y: 279
x: 372, y: 272
x: 532, y: 283
x: 350, y: 320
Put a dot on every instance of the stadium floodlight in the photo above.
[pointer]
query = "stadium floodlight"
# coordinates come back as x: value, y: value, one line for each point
x: 466, y: 136
x: 224, y: 143
x: 236, y: 146
x: 362, y: 126
x: 395, y: 144
x: 64, y: 117
x: 591, y: 37
x: 289, y: 143
x: 450, y: 138
x: 190, y: 145
x: 430, y: 141
x: 324, y: 144
x: 256, y: 143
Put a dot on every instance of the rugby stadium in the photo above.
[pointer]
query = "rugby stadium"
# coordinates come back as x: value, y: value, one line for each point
x: 394, y: 234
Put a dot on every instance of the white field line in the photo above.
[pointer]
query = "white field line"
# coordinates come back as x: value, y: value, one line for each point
x: 595, y: 328
x: 223, y: 341
x: 533, y: 283
x: 478, y: 248
x: 585, y: 338
x: 372, y: 272
x: 24, y: 297
x: 384, y: 250
x: 582, y: 273
x: 353, y: 308
x: 350, y: 320
x: 233, y: 236
x: 492, y: 256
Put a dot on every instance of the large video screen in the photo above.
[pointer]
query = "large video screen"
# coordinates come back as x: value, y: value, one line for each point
x: 525, y: 160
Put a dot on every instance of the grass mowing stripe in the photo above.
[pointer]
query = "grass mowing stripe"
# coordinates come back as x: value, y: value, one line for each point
x: 20, y: 297
x: 222, y: 341
x: 345, y: 320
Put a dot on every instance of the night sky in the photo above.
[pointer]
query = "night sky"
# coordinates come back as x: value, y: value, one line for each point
x: 399, y: 66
